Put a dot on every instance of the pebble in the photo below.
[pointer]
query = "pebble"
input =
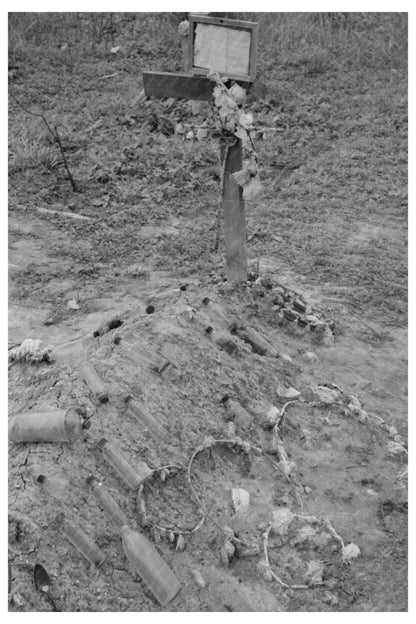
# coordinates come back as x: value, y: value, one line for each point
x: 310, y: 356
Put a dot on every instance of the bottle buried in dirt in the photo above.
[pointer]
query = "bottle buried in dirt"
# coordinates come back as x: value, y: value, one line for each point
x: 151, y: 424
x: 94, y: 383
x: 58, y: 425
x: 54, y: 486
x: 217, y: 314
x: 73, y: 349
x: 81, y: 541
x: 114, y: 323
x: 107, y: 502
x: 149, y: 565
x: 133, y: 478
x: 140, y: 356
x: 236, y: 412
x: 222, y: 340
x: 256, y: 342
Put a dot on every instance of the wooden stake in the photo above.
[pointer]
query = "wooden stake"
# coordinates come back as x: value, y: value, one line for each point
x: 234, y: 215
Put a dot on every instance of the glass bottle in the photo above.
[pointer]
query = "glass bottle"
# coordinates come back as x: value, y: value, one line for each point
x: 133, y: 478
x: 94, y: 382
x: 149, y: 565
x: 81, y: 541
x: 149, y: 422
x: 140, y: 356
x: 256, y: 342
x: 107, y: 502
x: 72, y: 349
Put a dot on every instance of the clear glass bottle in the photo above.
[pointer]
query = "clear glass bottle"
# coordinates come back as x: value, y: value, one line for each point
x: 93, y: 381
x: 140, y: 356
x: 256, y: 342
x: 149, y: 422
x: 58, y: 425
x: 149, y: 565
x: 132, y: 477
x: 81, y: 541
x: 107, y: 502
x: 107, y: 326
x: 74, y: 348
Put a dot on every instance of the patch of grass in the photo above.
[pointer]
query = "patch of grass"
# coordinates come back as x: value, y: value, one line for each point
x: 26, y: 154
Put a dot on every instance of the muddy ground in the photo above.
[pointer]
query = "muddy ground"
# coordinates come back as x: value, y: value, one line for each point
x: 330, y: 231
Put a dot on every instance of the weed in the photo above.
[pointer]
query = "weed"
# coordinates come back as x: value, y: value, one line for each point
x: 25, y: 154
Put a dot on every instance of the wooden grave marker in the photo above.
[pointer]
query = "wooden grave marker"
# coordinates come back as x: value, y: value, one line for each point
x: 228, y: 47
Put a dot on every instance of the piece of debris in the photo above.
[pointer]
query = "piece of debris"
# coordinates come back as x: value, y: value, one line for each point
x: 350, y: 551
x: 282, y: 518
x: 310, y: 356
x: 322, y: 335
x: 330, y: 599
x: 227, y: 552
x: 180, y: 543
x: 241, y: 499
x: 314, y: 573
x: 287, y: 393
x: 73, y: 304
x: 199, y: 579
x: 321, y: 394
x: 31, y: 350
x: 18, y: 601
x: 271, y: 418
x: 395, y: 448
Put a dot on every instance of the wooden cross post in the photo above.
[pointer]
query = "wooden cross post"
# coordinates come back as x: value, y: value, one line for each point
x: 230, y: 39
